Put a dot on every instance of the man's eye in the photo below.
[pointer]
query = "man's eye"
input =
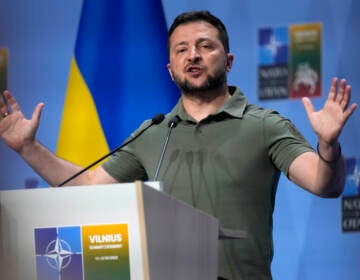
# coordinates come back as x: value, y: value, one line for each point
x: 206, y: 46
x: 181, y: 50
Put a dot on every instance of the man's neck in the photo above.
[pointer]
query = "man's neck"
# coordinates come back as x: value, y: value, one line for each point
x: 205, y: 103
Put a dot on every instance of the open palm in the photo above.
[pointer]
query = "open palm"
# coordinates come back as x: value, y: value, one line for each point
x: 328, y: 122
x: 15, y: 130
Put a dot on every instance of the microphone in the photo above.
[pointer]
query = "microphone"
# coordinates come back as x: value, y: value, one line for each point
x: 172, y: 124
x: 155, y: 120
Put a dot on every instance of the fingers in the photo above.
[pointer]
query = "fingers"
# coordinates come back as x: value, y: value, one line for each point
x: 37, y: 112
x: 341, y: 91
x: 344, y: 102
x: 4, y: 110
x: 11, y: 101
x: 309, y: 108
x: 349, y: 111
x: 333, y: 89
x: 341, y: 95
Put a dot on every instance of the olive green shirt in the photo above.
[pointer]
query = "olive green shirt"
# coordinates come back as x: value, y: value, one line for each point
x: 228, y: 165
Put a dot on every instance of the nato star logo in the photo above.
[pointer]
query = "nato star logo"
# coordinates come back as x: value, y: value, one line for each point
x: 355, y: 176
x: 273, y: 46
x: 352, y: 184
x: 58, y: 253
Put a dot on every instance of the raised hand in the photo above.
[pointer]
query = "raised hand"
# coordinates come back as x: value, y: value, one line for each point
x: 15, y: 130
x: 328, y: 122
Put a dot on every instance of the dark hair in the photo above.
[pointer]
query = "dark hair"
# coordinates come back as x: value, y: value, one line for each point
x: 201, y: 16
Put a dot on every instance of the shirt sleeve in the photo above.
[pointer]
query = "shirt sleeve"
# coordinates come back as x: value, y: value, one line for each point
x: 125, y: 167
x: 285, y: 143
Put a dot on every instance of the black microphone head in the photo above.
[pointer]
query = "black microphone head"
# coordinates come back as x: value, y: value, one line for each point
x: 174, y: 121
x: 158, y: 118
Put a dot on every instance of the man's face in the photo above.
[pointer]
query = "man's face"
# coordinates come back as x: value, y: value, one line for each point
x: 198, y: 61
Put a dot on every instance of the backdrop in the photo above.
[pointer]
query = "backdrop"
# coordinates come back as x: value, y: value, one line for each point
x: 41, y: 35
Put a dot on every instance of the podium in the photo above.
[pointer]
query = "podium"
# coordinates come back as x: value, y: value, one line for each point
x: 118, y: 231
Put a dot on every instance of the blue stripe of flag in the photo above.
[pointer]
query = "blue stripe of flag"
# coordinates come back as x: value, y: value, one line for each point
x: 122, y: 56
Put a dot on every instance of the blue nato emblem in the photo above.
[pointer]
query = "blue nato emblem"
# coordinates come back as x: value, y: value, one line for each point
x: 352, y: 183
x: 273, y: 45
x: 58, y: 253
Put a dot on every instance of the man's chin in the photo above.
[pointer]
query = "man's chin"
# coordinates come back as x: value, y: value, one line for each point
x: 200, y: 86
x: 194, y: 89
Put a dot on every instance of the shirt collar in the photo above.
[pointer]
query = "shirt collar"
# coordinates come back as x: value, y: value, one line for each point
x: 234, y: 107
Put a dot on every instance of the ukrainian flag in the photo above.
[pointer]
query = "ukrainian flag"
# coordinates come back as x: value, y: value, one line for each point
x: 118, y: 77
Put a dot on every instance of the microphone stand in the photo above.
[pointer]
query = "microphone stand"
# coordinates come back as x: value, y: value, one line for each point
x: 172, y: 124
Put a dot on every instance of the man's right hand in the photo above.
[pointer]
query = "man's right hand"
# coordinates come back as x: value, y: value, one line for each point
x: 15, y: 130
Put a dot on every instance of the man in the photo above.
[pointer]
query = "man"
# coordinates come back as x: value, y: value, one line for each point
x: 224, y: 156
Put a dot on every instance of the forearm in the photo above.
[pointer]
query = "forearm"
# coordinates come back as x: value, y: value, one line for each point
x: 51, y: 168
x: 323, y: 176
x: 331, y: 169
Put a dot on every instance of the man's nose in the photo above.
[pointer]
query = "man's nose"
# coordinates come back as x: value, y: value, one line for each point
x: 194, y: 54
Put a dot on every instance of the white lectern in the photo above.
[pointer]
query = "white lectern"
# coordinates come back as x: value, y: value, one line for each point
x: 120, y: 231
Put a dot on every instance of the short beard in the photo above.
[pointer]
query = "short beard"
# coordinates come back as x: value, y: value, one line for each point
x: 210, y: 86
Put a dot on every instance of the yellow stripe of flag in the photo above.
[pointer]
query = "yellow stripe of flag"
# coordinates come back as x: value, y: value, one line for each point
x: 81, y: 138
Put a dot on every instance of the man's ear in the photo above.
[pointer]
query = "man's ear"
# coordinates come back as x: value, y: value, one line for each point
x: 229, y: 61
x: 168, y: 66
